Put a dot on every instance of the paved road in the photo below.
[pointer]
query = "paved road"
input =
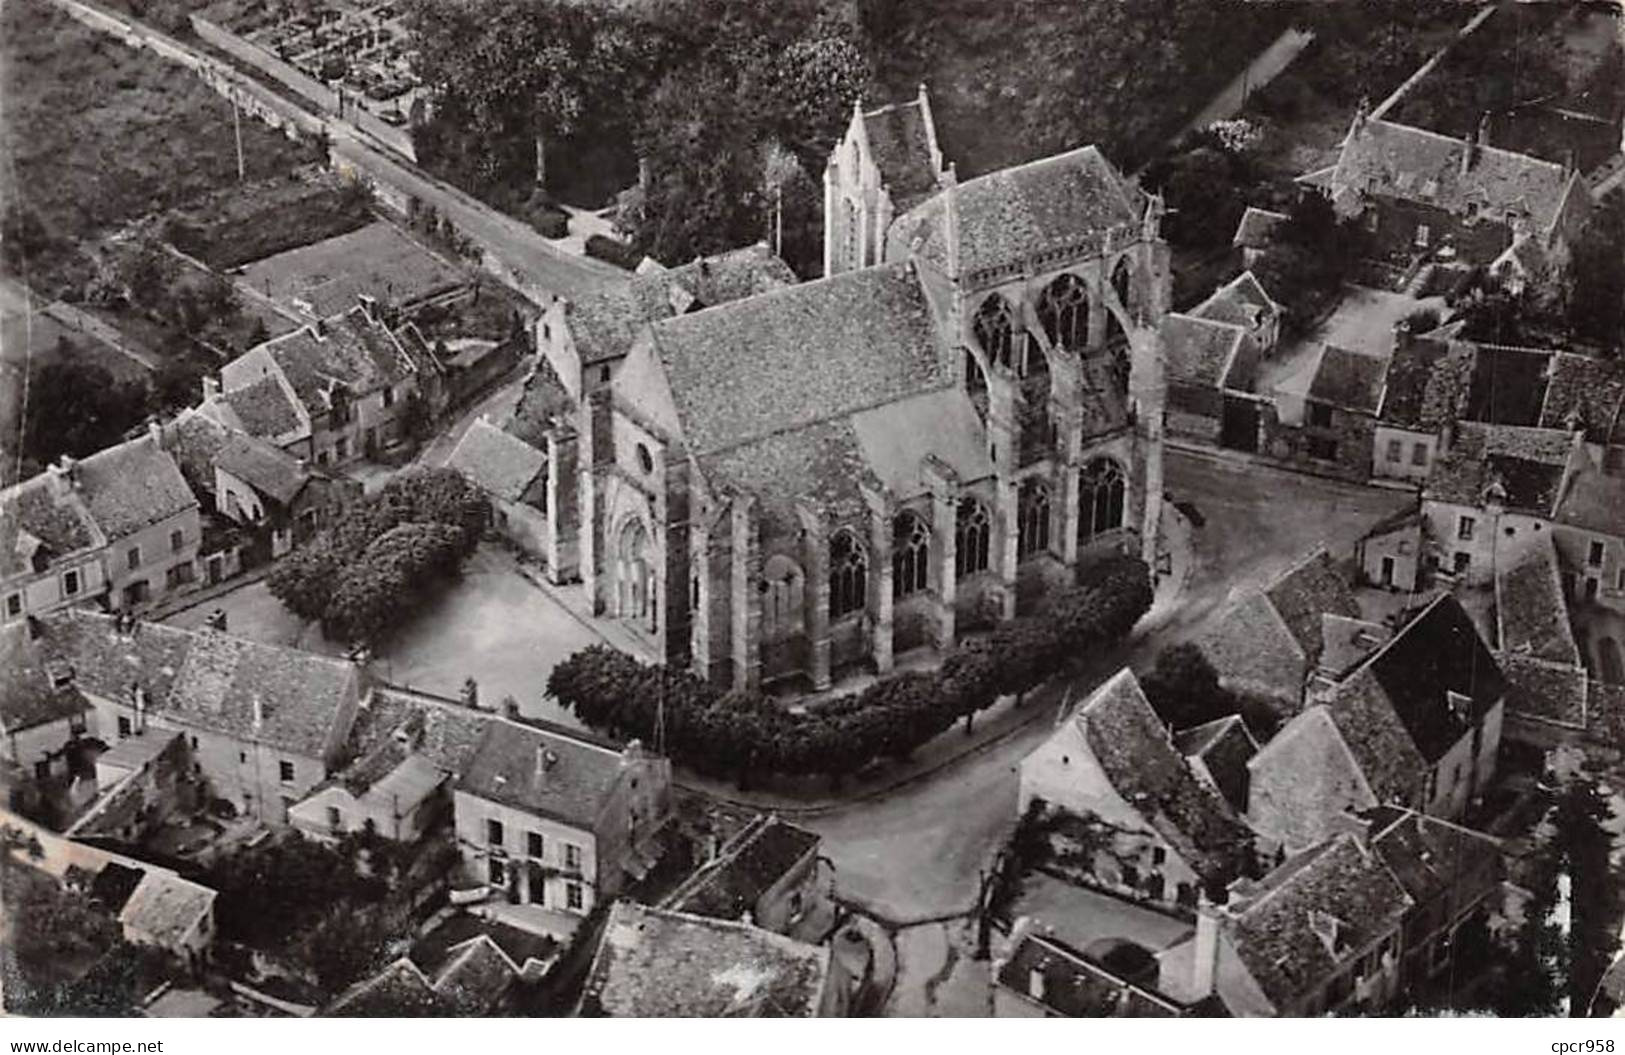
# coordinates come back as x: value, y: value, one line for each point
x: 915, y: 852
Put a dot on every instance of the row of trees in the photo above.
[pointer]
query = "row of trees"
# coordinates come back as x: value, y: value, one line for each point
x: 734, y: 734
x: 357, y: 576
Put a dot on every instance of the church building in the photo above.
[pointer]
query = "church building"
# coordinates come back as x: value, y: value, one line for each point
x: 966, y: 407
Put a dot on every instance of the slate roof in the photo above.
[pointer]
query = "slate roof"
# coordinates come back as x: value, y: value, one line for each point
x: 207, y: 680
x: 1411, y: 164
x: 1594, y: 501
x: 544, y: 770
x: 361, y: 354
x: 498, y: 463
x: 1199, y: 351
x: 1074, y: 986
x: 1304, y: 593
x: 1272, y: 933
x: 27, y: 699
x: 900, y: 137
x: 1541, y: 689
x: 164, y: 908
x: 133, y: 485
x: 1588, y: 392
x: 263, y: 408
x: 1008, y: 216
x: 1529, y: 606
x: 1349, y: 380
x: 604, y: 324
x: 1224, y: 745
x: 745, y: 871
x: 1140, y: 760
x: 43, y: 517
x: 652, y: 963
x: 1427, y: 383
x: 799, y: 355
x: 1437, y: 653
x: 263, y: 466
x: 1256, y: 227
x: 1528, y: 464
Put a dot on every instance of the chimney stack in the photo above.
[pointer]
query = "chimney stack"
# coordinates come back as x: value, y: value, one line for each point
x: 259, y: 712
x: 155, y: 432
x: 1205, y: 964
x: 140, y: 697
x: 211, y: 387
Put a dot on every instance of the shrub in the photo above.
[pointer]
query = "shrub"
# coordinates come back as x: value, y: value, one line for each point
x: 729, y: 733
x: 609, y: 250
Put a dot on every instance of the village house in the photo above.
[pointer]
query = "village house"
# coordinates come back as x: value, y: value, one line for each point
x: 334, y: 391
x: 1322, y: 933
x: 585, y: 340
x: 1162, y: 832
x: 1588, y: 528
x: 1426, y: 197
x: 473, y: 978
x: 1256, y: 233
x: 767, y: 876
x: 1492, y: 487
x: 170, y: 913
x: 51, y: 551
x: 1330, y: 426
x: 1390, y: 552
x: 655, y: 963
x: 971, y: 426
x: 1216, y: 354
x: 1268, y: 642
x: 1042, y: 977
x: 405, y: 750
x: 1547, y: 683
x: 42, y: 715
x: 522, y: 483
x: 263, y: 724
x: 553, y: 819
x: 1417, y: 723
x: 1217, y: 753
x: 1587, y: 393
x: 1424, y: 393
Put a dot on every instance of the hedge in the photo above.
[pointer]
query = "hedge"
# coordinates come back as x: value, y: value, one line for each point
x: 609, y: 250
x: 725, y: 733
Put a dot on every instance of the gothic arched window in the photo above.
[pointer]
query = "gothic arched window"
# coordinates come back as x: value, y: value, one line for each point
x: 973, y: 531
x: 635, y: 575
x: 910, y: 554
x: 1121, y: 282
x: 995, y: 329
x: 1032, y: 518
x: 848, y: 574
x: 1101, y: 494
x: 1063, y: 311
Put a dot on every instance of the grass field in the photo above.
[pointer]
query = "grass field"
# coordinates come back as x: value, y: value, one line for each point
x: 97, y: 134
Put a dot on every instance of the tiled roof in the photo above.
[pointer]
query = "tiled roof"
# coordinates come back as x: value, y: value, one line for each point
x: 1347, y: 642
x: 263, y: 408
x: 1140, y: 760
x: 1586, y: 392
x: 1008, y: 216
x: 389, y: 726
x: 604, y: 324
x: 821, y: 463
x: 1256, y: 227
x: 1349, y: 380
x: 1310, y: 589
x: 1541, y: 689
x: 208, y: 680
x: 1254, y: 651
x: 1240, y: 302
x: 732, y: 886
x: 657, y: 964
x: 1398, y: 520
x: 398, y: 991
x: 1073, y: 986
x: 1225, y: 746
x: 894, y: 440
x: 1534, y: 620
x: 1436, y: 654
x: 354, y: 351
x: 164, y: 907
x: 799, y: 355
x: 265, y: 467
x: 503, y: 465
x: 475, y: 976
x: 1528, y: 464
x: 899, y: 138
x: 376, y: 260
x: 1594, y: 501
x: 1312, y: 915
x: 1378, y: 740
x: 542, y: 770
x: 1427, y: 384
x: 1199, y: 350
x: 42, y: 519
x: 1433, y: 858
x: 131, y: 486
x: 543, y: 405
x: 26, y: 697
x: 1411, y: 164
x: 196, y: 440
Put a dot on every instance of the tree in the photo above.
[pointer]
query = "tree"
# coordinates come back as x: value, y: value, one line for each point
x: 1184, y: 688
x: 76, y: 408
x: 1594, y: 294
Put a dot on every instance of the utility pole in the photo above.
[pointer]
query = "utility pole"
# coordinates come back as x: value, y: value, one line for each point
x: 237, y: 130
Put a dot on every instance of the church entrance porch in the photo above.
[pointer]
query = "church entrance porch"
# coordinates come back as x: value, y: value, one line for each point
x: 636, y: 585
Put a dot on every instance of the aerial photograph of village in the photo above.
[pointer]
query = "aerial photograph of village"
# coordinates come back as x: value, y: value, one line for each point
x: 812, y: 508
